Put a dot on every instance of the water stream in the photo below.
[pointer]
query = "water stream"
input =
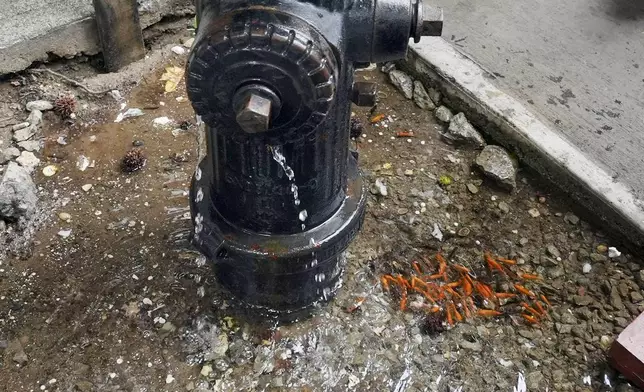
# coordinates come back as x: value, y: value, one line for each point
x: 278, y: 156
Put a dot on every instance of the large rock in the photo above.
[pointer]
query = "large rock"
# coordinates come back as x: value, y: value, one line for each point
x: 421, y: 98
x: 18, y: 194
x: 497, y: 164
x: 461, y: 132
x: 403, y: 82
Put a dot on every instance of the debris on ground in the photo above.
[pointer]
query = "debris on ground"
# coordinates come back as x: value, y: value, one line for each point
x: 461, y: 132
x: 41, y: 105
x: 172, y: 77
x: 443, y: 114
x: 497, y: 164
x: 131, y: 112
x: 403, y: 83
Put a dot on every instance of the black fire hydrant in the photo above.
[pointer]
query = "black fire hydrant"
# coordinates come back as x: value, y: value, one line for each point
x: 279, y: 197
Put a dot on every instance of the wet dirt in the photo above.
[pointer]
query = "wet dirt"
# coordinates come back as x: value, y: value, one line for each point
x: 124, y: 304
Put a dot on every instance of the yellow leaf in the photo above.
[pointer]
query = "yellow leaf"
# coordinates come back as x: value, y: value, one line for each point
x: 172, y: 77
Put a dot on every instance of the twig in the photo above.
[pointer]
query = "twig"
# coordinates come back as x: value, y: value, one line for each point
x: 69, y: 80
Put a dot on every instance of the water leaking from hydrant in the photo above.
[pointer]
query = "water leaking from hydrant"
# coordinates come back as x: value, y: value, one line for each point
x: 279, y: 157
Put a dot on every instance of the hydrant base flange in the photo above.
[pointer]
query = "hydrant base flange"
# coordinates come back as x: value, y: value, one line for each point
x: 277, y: 276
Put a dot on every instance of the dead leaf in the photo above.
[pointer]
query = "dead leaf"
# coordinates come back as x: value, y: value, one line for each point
x: 172, y: 77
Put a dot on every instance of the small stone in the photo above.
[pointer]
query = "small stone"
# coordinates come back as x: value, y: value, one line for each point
x: 523, y: 241
x: 435, y: 96
x: 169, y: 379
x: 19, y: 355
x: 597, y: 258
x: 472, y: 188
x: 403, y: 82
x: 41, y: 105
x: 613, y: 252
x: 206, y: 370
x: 563, y: 328
x: 621, y: 321
x: 30, y: 145
x: 601, y: 248
x: 25, y: 133
x: 534, y: 212
x: 20, y: 126
x: 461, y: 132
x: 421, y: 98
x: 180, y: 50
x: 605, y: 342
x: 28, y: 160
x: 616, y: 299
x: 586, y: 268
x: 188, y: 43
x: 582, y: 300
x: 578, y: 331
x: 571, y: 218
x: 497, y: 164
x: 84, y: 386
x: 409, y: 172
x: 534, y: 380
x: 472, y: 346
x: 443, y: 114
x: 65, y: 217
x: 636, y: 297
x: 65, y: 233
x: 379, y: 188
x: 86, y: 187
x: 553, y: 251
x: 504, y: 207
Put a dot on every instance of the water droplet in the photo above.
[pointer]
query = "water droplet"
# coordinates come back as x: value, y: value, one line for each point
x: 198, y: 174
x: 303, y: 215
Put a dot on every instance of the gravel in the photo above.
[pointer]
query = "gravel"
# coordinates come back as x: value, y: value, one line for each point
x: 28, y: 160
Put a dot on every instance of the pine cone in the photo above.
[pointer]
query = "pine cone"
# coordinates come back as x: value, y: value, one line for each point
x: 132, y: 161
x: 65, y: 106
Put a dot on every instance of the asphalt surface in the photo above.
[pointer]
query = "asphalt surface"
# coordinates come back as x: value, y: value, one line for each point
x: 578, y: 65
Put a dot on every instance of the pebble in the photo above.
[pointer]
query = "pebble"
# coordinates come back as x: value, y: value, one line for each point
x: 403, y: 83
x: 597, y: 258
x: 443, y: 114
x: 18, y: 193
x: 616, y: 299
x: 534, y: 212
x: 189, y: 42
x: 636, y: 297
x: 180, y: 50
x: 169, y: 379
x: 497, y: 164
x: 206, y: 370
x: 461, y: 132
x: 613, y: 252
x: 586, y: 268
x: 601, y: 248
x: 64, y: 216
x: 41, y: 105
x: 472, y: 346
x: 563, y: 328
x: 65, y: 233
x: 472, y: 188
x: 84, y: 386
x: 20, y: 126
x: 435, y: 96
x: 534, y: 380
x: 24, y: 134
x: 409, y: 172
x: 379, y: 188
x: 571, y: 218
x: 553, y: 251
x: 421, y: 98
x: 504, y: 207
x: 86, y: 187
x: 582, y: 300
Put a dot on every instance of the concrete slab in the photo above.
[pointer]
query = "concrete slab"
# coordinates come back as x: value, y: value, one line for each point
x: 469, y: 88
x: 33, y: 30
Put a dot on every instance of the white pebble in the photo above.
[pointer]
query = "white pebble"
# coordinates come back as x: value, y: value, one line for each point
x: 613, y: 252
x: 408, y: 140
x: 169, y: 379
x: 147, y: 301
x: 586, y: 268
x: 119, y: 361
x: 112, y: 375
x: 364, y: 135
x: 52, y: 381
x: 422, y: 142
x: 370, y: 141
x: 135, y: 277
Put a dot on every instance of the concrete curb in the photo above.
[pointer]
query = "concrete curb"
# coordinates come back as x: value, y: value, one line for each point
x: 468, y: 88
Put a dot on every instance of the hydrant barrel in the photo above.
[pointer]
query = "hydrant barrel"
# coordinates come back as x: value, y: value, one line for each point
x: 279, y: 197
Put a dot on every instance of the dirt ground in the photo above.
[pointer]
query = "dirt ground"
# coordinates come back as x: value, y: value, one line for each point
x: 124, y: 304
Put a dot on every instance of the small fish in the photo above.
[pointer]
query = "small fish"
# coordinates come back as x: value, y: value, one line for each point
x: 488, y: 313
